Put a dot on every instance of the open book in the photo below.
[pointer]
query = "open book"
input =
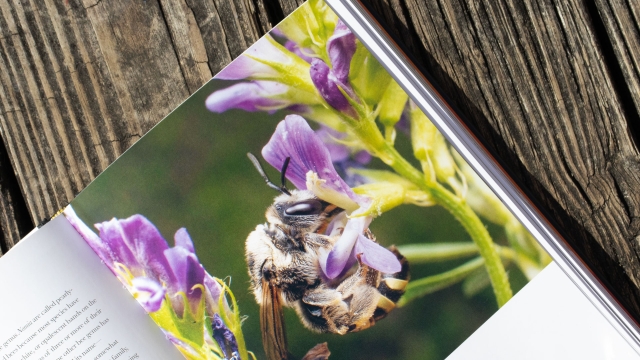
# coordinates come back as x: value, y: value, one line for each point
x: 380, y: 240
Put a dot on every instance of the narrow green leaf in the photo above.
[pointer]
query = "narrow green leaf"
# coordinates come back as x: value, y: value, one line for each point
x: 430, y: 284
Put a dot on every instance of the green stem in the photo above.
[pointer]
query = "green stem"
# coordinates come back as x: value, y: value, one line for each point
x: 436, y: 252
x: 481, y: 237
x: 368, y: 132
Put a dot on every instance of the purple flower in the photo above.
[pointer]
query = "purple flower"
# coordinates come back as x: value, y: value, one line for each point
x: 137, y: 244
x: 311, y: 168
x: 250, y: 96
x: 329, y: 87
x: 134, y: 249
x: 94, y: 241
x: 212, y: 293
x: 224, y: 337
x: 148, y: 292
x: 341, y: 47
x: 294, y: 138
x: 188, y: 273
x: 269, y: 60
x: 332, y: 82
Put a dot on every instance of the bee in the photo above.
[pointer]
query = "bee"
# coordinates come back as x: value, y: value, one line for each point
x: 283, y: 262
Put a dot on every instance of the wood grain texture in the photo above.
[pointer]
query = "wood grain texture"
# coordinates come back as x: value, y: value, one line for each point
x: 552, y: 87
x: 14, y: 215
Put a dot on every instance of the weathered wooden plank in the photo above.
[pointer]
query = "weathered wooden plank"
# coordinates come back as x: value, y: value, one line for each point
x: 265, y: 15
x: 620, y: 21
x: 17, y: 114
x: 239, y: 25
x: 83, y: 91
x: 213, y: 33
x: 187, y: 42
x: 14, y: 216
x: 288, y: 6
x: 134, y: 41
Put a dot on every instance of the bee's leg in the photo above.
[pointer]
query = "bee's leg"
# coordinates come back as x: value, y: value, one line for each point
x: 392, y: 286
x: 323, y: 309
x: 318, y: 241
x: 373, y: 294
x: 359, y: 292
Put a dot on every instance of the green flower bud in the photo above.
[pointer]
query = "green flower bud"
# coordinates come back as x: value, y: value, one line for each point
x: 431, y: 148
x: 392, y: 104
x: 423, y: 133
x: 443, y: 163
x: 368, y: 78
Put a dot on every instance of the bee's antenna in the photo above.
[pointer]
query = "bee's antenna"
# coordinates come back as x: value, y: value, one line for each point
x: 258, y: 167
x: 283, y: 172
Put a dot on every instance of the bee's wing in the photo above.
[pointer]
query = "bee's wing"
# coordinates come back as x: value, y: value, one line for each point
x: 274, y: 338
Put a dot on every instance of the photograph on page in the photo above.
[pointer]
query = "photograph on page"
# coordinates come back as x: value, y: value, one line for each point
x: 301, y: 198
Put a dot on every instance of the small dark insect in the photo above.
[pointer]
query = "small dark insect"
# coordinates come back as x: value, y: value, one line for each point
x: 282, y: 256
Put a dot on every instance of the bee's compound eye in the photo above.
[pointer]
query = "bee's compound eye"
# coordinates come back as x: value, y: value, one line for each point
x: 308, y: 207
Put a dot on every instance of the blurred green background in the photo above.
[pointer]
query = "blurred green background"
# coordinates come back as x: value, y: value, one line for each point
x: 192, y: 171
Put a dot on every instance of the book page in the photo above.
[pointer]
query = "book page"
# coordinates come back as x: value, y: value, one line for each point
x: 59, y: 302
x: 549, y: 319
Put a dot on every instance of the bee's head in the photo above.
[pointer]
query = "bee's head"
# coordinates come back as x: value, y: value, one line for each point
x: 301, y: 210
x: 298, y: 211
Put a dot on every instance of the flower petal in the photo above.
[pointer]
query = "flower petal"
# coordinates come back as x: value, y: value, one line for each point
x: 149, y: 293
x: 294, y: 138
x: 339, y: 152
x: 143, y: 241
x: 187, y: 272
x: 183, y: 239
x: 212, y: 294
x: 249, y: 96
x: 376, y: 256
x: 113, y: 237
x: 337, y: 259
x: 246, y: 66
x: 325, y: 192
x: 328, y: 85
x: 341, y: 47
x: 337, y: 224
